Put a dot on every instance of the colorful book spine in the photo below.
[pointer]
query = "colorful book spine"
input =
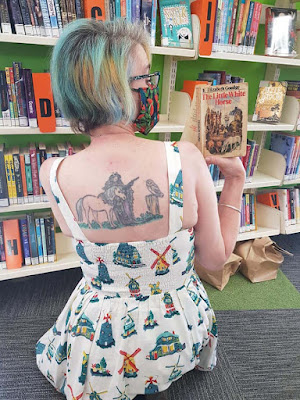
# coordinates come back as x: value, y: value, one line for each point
x: 43, y: 234
x: 297, y: 205
x: 4, y: 100
x: 20, y: 92
x: 223, y: 23
x: 39, y: 166
x: 33, y: 18
x: 32, y: 239
x: 118, y: 9
x: 64, y: 12
x: 23, y: 175
x: 254, y: 27
x: 216, y: 26
x: 79, y: 9
x: 232, y: 25
x: 18, y: 178
x: 53, y: 18
x: 123, y: 8
x: 246, y: 41
x: 58, y: 16
x: 35, y: 174
x: 8, y: 177
x: 25, y: 240
x: 49, y: 240
x: 13, y: 178
x: 128, y: 10
x: 16, y: 17
x: 153, y: 22
x: 39, y: 240
x: 228, y: 25
x: 26, y: 17
x: 4, y: 200
x: 244, y: 24
x: 14, y: 96
x: 28, y: 177
x: 238, y: 25
x: 4, y: 18
x: 2, y: 249
x: 254, y: 159
x: 41, y: 30
x: 9, y: 96
x: 30, y: 100
x: 46, y: 18
x: 12, y: 244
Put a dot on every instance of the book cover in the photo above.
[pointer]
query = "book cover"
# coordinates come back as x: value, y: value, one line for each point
x: 43, y: 234
x: 4, y: 18
x: 2, y: 249
x: 4, y: 200
x: 44, y: 102
x: 32, y: 239
x: 280, y: 32
x: 25, y: 240
x: 189, y: 87
x: 39, y: 240
x: 219, y: 117
x: 245, y: 158
x: 4, y: 103
x: 283, y: 144
x: 95, y: 9
x: 176, y: 23
x: 30, y: 100
x: 16, y: 17
x: 14, y: 96
x: 20, y: 93
x: 46, y: 18
x: 18, y: 176
x: 26, y: 17
x: 269, y: 199
x: 269, y: 101
x: 12, y: 244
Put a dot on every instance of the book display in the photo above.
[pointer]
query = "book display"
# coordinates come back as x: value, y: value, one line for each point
x: 272, y: 166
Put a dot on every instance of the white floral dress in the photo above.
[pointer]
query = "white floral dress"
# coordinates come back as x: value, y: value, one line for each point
x: 139, y: 318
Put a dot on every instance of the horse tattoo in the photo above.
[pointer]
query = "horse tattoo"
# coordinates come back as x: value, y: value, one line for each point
x: 114, y: 203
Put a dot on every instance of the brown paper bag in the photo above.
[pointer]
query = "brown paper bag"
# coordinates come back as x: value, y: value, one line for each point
x: 219, y: 279
x: 261, y: 258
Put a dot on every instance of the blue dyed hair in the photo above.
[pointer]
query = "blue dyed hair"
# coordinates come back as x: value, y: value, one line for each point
x: 90, y: 68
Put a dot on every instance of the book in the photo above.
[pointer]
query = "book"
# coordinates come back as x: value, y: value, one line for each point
x: 39, y: 240
x: 46, y: 17
x: 246, y: 40
x: 217, y: 25
x: 16, y: 17
x: 30, y: 100
x: 20, y: 93
x: 4, y: 200
x: 8, y: 177
x: 50, y: 239
x: 14, y: 96
x: 269, y: 101
x: 232, y: 26
x: 228, y: 25
x: 34, y: 173
x: 64, y: 12
x: 44, y: 102
x: 4, y: 18
x: 254, y: 27
x: 12, y: 176
x: 33, y: 18
x: 43, y: 234
x: 243, y: 25
x: 238, y: 26
x: 18, y: 176
x: 28, y: 174
x: 189, y: 87
x: 25, y: 240
x: 79, y: 9
x: 53, y: 18
x: 58, y: 16
x: 4, y: 100
x: 23, y: 175
x: 9, y: 96
x: 217, y: 123
x: 12, y: 244
x: 280, y: 32
x: 26, y: 17
x: 176, y: 23
x: 95, y: 9
x: 2, y: 249
x: 39, y: 17
x: 32, y: 239
x: 283, y: 144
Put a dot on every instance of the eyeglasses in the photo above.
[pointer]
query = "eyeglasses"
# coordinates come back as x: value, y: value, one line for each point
x: 151, y: 79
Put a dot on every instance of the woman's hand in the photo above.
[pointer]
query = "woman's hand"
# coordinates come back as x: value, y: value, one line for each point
x: 231, y: 167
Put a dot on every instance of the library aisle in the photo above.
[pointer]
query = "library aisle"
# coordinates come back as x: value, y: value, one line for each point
x: 258, y: 350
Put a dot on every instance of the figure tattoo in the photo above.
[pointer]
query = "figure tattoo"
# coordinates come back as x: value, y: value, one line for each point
x: 113, y: 208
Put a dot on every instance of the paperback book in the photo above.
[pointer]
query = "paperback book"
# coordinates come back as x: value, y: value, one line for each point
x: 269, y: 101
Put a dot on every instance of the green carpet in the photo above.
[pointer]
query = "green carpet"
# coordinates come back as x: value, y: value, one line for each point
x: 241, y: 294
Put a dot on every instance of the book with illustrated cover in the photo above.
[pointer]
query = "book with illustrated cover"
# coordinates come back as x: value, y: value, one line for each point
x: 217, y: 123
x: 176, y: 23
x: 269, y: 101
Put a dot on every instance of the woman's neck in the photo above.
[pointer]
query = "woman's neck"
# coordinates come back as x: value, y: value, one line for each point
x: 111, y: 131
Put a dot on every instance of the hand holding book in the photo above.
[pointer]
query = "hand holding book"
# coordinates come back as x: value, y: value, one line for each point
x: 231, y: 167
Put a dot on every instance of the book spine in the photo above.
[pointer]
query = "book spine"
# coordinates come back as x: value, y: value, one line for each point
x: 123, y: 8
x: 70, y: 10
x: 32, y: 239
x: 228, y: 24
x: 118, y: 9
x: 53, y: 18
x: 232, y: 25
x: 53, y: 238
x: 58, y: 16
x: 20, y: 92
x: 254, y: 160
x: 25, y: 241
x: 246, y: 40
x: 43, y: 234
x: 250, y: 212
x: 296, y: 159
x: 16, y: 17
x: 244, y: 23
x: 12, y: 244
x: 46, y: 18
x: 18, y: 178
x: 4, y: 200
x: 255, y: 26
x: 253, y: 212
x: 79, y: 9
x: 247, y: 212
x: 217, y: 23
x: 8, y: 178
x: 14, y: 95
x: 35, y: 174
x: 4, y: 100
x: 128, y: 10
x: 4, y: 18
x: 28, y: 177
x: 50, y: 250
x: 39, y: 17
x: 223, y: 25
x: 30, y: 100
x: 39, y: 166
x: 13, y: 178
x: 244, y: 213
x: 238, y: 26
x: 9, y: 96
x: 292, y: 206
x: 26, y: 17
x: 64, y: 12
x: 133, y: 10
x: 39, y: 240
x: 153, y: 22
x: 297, y: 205
x: 32, y: 16
x: 2, y: 249
x: 23, y: 176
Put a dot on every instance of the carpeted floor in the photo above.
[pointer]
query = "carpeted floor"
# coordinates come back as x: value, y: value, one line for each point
x: 258, y: 350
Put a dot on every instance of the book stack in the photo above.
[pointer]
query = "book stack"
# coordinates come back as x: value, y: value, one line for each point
x: 27, y: 240
x: 289, y: 146
x: 236, y: 26
x: 19, y: 171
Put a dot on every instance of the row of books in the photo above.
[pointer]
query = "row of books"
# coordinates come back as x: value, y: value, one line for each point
x: 27, y: 240
x: 285, y: 199
x: 236, y: 26
x: 19, y: 171
x: 289, y: 146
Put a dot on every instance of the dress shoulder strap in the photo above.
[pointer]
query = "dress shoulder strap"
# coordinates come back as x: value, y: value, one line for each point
x: 62, y: 203
x: 175, y: 187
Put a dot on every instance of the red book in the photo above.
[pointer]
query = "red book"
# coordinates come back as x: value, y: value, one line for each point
x: 44, y: 102
x: 206, y: 11
x: 34, y: 172
x: 95, y: 9
x: 288, y: 199
x: 12, y: 244
x: 246, y: 156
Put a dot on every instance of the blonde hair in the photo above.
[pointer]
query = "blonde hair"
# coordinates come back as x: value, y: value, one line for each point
x: 90, y: 69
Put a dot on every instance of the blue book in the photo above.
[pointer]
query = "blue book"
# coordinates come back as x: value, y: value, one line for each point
x: 53, y: 18
x: 283, y: 144
x: 228, y: 21
x: 133, y: 10
x: 32, y: 240
x: 118, y: 9
x: 223, y: 24
x: 176, y: 23
x: 128, y: 10
x: 39, y: 240
x: 153, y: 23
x: 246, y: 41
x: 25, y: 240
x: 43, y: 234
x: 46, y: 18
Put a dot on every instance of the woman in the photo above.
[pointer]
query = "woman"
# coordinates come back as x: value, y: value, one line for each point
x: 140, y: 211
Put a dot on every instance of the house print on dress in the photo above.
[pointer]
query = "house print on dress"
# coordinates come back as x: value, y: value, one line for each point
x: 166, y: 343
x: 162, y: 266
x: 155, y: 288
x: 55, y: 331
x: 82, y: 377
x: 103, y: 276
x: 128, y: 256
x: 129, y: 325
x: 80, y: 251
x: 61, y: 353
x: 152, y: 385
x: 190, y: 260
x: 84, y: 328
x: 51, y: 350
x: 94, y: 395
x: 39, y: 348
x: 170, y: 309
x: 106, y: 336
x: 134, y: 289
x: 129, y: 367
x: 196, y: 351
x: 176, y: 191
x: 100, y: 368
x: 176, y: 371
x: 150, y: 322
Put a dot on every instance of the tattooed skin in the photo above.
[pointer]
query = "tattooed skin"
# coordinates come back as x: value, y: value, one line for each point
x: 113, y: 208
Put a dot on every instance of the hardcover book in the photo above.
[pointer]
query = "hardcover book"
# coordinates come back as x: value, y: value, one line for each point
x: 176, y: 23
x: 12, y: 244
x: 269, y: 101
x: 217, y: 123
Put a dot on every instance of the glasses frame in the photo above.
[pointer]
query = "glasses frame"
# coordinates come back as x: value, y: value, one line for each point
x: 138, y: 77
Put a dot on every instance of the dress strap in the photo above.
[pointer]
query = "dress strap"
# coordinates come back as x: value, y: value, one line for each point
x: 175, y: 187
x: 62, y: 203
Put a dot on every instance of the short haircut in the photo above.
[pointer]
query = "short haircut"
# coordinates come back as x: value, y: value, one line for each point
x: 90, y: 69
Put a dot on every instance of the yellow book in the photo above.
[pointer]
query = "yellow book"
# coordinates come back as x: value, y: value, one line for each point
x: 247, y: 212
x: 13, y: 177
x: 8, y: 175
x: 244, y: 21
